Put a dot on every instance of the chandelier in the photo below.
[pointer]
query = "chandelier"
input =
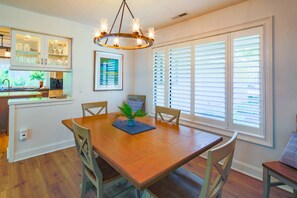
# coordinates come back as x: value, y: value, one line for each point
x: 139, y: 40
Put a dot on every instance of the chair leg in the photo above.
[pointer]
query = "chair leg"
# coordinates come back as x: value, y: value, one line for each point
x: 99, y: 190
x: 219, y: 194
x: 84, y: 184
x: 266, y: 183
x: 137, y: 193
x: 295, y: 193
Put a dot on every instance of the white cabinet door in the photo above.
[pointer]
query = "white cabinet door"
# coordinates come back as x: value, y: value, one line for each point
x: 27, y: 49
x: 57, y: 52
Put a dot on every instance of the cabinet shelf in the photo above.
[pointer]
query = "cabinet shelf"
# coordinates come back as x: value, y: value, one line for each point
x: 59, y: 55
x: 27, y: 52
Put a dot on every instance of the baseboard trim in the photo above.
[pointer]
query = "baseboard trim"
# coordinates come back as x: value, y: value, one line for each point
x: 33, y: 152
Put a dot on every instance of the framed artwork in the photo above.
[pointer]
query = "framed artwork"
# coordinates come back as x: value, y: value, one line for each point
x: 108, y: 71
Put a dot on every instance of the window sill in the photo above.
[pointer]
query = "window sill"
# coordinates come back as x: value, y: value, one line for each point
x: 259, y: 140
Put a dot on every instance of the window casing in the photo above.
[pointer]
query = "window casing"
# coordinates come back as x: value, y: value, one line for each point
x: 222, y: 83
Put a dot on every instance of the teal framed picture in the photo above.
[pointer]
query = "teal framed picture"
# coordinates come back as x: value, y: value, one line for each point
x: 108, y: 71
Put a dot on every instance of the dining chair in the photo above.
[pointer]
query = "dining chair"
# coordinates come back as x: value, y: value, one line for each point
x: 95, y: 170
x: 173, y: 114
x: 86, y: 107
x: 183, y: 183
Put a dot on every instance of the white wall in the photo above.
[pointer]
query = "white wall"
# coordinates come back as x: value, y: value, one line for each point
x: 248, y: 156
x: 48, y: 119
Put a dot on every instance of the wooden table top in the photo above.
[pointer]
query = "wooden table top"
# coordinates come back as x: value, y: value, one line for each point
x: 146, y: 157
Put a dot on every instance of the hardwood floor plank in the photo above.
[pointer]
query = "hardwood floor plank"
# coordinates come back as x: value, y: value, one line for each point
x: 5, y: 175
x: 69, y: 170
x: 62, y: 190
x: 6, y: 194
x: 58, y: 174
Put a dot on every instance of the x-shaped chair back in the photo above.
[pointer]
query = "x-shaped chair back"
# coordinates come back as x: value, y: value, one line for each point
x: 222, y: 153
x: 90, y: 107
x: 171, y: 114
x: 85, y: 151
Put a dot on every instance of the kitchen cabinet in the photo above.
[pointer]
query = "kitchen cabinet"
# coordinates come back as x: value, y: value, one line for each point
x: 31, y: 51
x: 55, y: 93
x: 4, y: 109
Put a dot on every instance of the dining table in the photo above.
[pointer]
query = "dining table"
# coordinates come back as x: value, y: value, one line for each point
x: 146, y: 157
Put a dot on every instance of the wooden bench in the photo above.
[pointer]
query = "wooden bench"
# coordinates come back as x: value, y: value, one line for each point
x: 284, y: 173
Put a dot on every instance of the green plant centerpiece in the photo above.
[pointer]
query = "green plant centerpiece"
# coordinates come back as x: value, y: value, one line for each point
x: 127, y: 111
x: 38, y: 75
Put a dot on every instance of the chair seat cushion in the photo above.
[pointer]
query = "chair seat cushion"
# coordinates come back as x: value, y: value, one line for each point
x: 289, y: 155
x: 282, y: 169
x: 108, y: 172
x: 136, y: 105
x: 180, y: 183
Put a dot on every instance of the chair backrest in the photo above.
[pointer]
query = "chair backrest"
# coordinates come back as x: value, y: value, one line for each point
x: 138, y: 98
x: 173, y: 114
x: 85, y: 151
x: 222, y: 153
x: 86, y: 107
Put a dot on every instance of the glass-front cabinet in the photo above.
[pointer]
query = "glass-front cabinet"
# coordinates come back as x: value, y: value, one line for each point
x: 27, y: 49
x: 30, y: 51
x: 57, y: 53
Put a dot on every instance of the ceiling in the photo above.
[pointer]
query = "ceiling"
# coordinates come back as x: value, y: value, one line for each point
x: 156, y: 13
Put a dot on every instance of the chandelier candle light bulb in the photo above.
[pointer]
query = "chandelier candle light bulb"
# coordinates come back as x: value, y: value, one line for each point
x: 151, y: 33
x: 104, y: 26
x: 139, y: 42
x: 135, y: 26
x: 116, y: 41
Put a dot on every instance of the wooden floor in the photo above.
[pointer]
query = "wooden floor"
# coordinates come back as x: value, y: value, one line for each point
x: 58, y: 174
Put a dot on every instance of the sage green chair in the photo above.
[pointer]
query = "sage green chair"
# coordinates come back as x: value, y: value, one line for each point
x: 173, y: 114
x: 95, y: 170
x: 90, y: 107
x: 183, y: 183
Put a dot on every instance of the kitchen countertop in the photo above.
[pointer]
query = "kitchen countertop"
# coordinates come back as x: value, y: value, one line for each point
x: 19, y: 93
x: 38, y: 100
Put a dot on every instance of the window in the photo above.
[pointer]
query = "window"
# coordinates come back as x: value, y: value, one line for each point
x: 219, y: 82
x: 20, y: 78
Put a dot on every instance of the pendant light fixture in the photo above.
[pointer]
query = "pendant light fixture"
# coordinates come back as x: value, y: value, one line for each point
x: 139, y: 40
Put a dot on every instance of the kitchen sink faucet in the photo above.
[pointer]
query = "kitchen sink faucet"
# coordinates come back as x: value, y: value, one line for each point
x: 8, y: 85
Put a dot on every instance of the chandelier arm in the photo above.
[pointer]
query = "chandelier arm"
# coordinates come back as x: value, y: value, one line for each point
x: 115, y: 19
x: 133, y: 17
x: 122, y: 16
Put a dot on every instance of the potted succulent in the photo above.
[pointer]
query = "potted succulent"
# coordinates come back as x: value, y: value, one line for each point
x: 38, y: 75
x: 126, y: 111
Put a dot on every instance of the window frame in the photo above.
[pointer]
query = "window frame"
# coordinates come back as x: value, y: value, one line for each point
x: 265, y: 139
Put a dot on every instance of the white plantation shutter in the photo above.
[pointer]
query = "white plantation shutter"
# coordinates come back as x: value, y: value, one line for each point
x: 158, y: 78
x: 210, y: 78
x: 247, y: 81
x: 179, y: 96
x: 222, y: 82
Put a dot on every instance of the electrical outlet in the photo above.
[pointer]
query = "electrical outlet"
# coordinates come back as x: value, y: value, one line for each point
x: 23, y: 134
